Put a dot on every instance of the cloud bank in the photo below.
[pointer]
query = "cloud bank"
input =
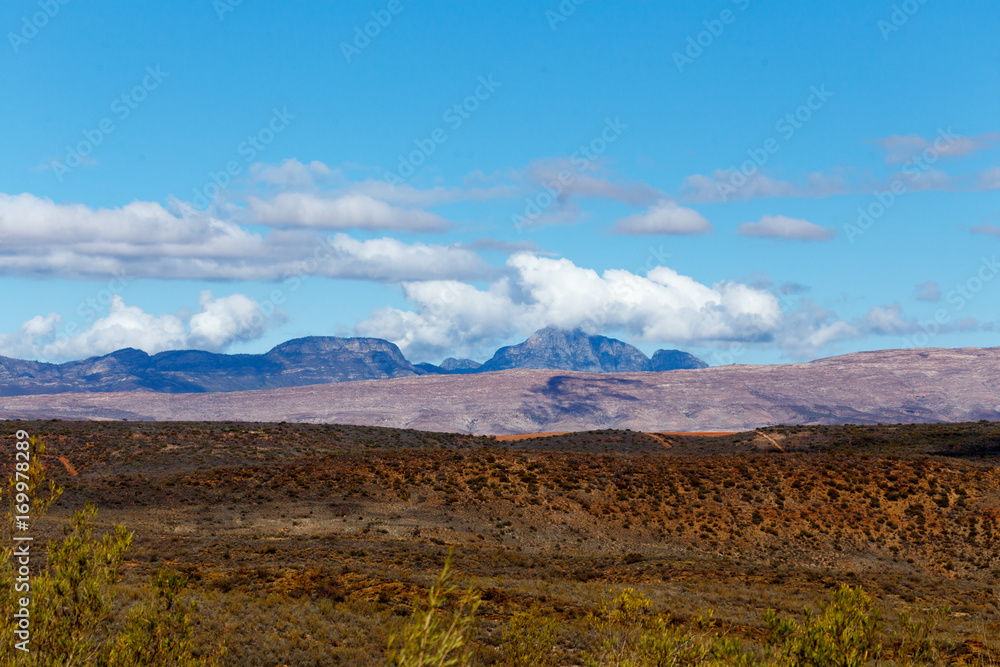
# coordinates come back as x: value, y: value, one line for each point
x: 219, y: 323
x: 661, y: 306
x: 145, y: 240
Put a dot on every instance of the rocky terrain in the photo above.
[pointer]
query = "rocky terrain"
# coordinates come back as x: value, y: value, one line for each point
x: 316, y: 360
x: 892, y: 386
x: 569, y: 350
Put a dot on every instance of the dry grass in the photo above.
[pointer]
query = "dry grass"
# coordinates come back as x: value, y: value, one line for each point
x: 328, y: 532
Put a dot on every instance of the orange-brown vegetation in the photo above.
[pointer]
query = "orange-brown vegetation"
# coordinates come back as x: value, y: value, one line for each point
x: 306, y: 544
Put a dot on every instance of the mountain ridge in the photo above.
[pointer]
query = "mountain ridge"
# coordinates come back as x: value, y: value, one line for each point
x: 888, y: 387
x: 304, y: 361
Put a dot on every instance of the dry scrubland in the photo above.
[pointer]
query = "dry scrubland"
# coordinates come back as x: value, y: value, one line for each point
x: 308, y: 544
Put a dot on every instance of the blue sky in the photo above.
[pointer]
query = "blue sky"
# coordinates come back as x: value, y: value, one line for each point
x: 453, y: 176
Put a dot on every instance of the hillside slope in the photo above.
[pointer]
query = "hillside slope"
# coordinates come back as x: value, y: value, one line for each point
x: 889, y: 386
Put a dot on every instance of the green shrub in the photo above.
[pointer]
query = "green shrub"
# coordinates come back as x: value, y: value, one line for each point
x: 72, y: 599
x: 631, y: 636
x: 844, y: 633
x: 430, y: 639
x: 529, y: 640
x: 73, y: 596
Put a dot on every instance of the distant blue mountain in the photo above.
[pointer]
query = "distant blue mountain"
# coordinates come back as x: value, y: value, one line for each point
x: 317, y: 360
x: 578, y: 351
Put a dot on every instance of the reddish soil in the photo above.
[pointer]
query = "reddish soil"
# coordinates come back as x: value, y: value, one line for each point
x: 528, y: 436
x: 707, y: 434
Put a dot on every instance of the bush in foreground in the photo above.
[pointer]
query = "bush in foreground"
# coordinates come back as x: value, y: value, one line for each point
x: 72, y: 599
x: 845, y: 632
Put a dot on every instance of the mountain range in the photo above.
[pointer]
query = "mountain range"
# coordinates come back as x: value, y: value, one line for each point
x: 887, y: 386
x: 318, y: 360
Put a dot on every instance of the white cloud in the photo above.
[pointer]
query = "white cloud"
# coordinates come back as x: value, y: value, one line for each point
x: 292, y: 173
x: 353, y: 211
x: 226, y: 320
x: 781, y: 227
x: 888, y: 320
x: 314, y: 195
x: 390, y: 260
x: 662, y: 306
x: 218, y: 324
x: 26, y: 219
x: 294, y: 176
x: 450, y: 317
x: 664, y: 217
x: 145, y: 240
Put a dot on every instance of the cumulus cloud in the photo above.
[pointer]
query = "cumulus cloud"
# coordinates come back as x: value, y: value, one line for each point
x: 664, y: 217
x: 902, y: 148
x: 661, y: 306
x: 929, y: 291
x: 219, y: 323
x: 146, y: 240
x: 224, y: 321
x: 781, y: 227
